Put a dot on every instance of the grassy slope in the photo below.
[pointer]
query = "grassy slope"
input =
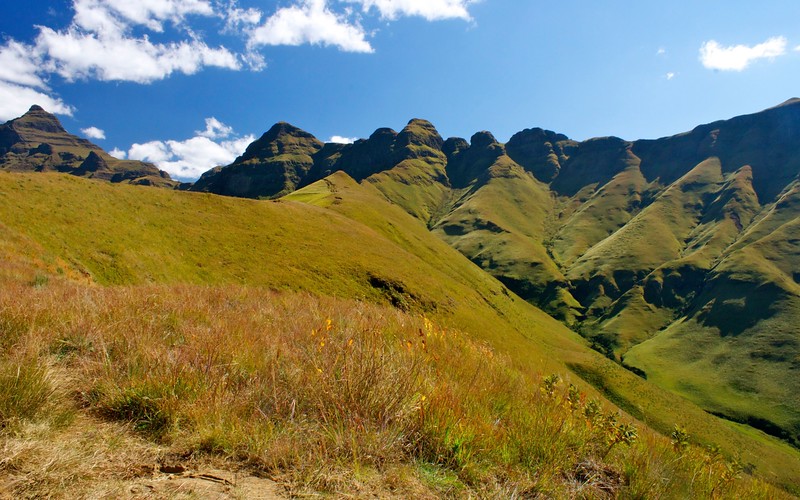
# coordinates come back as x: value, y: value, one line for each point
x: 610, y: 208
x: 752, y: 293
x: 635, y: 250
x: 655, y: 406
x: 121, y: 383
x: 127, y: 234
x: 501, y: 225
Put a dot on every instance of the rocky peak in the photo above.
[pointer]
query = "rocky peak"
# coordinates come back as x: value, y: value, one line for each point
x: 93, y: 163
x: 282, y: 138
x: 37, y: 119
x: 366, y: 157
x: 541, y: 152
x: 483, y: 139
x: 418, y: 136
x: 453, y: 146
x: 465, y: 163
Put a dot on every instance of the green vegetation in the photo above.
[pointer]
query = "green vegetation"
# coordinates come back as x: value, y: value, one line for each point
x: 675, y: 258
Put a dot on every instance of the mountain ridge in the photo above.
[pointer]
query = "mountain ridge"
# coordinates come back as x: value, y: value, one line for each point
x: 37, y: 141
x: 619, y: 239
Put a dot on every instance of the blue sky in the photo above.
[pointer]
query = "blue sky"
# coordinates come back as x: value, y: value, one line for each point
x: 188, y: 84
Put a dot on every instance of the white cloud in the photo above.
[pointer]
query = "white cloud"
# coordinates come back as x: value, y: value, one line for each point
x: 312, y: 22
x: 93, y: 133
x: 236, y: 18
x: 661, y: 51
x: 76, y: 55
x: 110, y: 40
x: 18, y: 65
x: 432, y: 10
x: 338, y: 139
x: 118, y: 153
x: 670, y: 75
x: 188, y: 159
x: 215, y: 129
x: 153, y: 151
x: 738, y: 57
x: 15, y: 100
x: 102, y: 16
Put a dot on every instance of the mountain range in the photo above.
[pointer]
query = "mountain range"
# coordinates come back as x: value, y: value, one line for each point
x: 677, y: 258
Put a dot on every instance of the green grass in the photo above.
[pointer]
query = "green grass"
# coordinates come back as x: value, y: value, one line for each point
x: 360, y: 247
x: 501, y: 224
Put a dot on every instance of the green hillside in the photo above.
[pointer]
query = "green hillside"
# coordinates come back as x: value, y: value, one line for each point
x: 624, y: 241
x: 332, y: 238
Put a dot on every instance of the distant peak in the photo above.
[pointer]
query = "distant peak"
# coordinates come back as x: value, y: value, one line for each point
x: 383, y: 132
x: 38, y: 119
x: 420, y: 132
x: 482, y: 139
x: 285, y: 128
x: 789, y: 102
x: 283, y: 138
x: 420, y: 122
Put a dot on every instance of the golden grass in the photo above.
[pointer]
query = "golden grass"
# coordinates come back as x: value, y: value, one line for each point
x: 327, y: 395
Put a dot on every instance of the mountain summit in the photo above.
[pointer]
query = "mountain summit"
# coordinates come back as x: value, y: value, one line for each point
x: 37, y: 141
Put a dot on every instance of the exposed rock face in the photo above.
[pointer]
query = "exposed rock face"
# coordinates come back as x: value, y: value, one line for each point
x: 541, y: 152
x: 273, y: 165
x: 467, y: 164
x: 286, y: 157
x: 38, y: 142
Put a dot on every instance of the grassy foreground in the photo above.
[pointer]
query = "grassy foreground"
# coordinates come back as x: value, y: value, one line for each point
x: 325, y: 395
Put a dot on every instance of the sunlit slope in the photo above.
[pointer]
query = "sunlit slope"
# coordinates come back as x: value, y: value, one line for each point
x: 657, y: 407
x: 742, y: 327
x: 124, y: 235
x: 501, y: 224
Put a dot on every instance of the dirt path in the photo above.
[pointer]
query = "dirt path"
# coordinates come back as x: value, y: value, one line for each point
x: 176, y: 482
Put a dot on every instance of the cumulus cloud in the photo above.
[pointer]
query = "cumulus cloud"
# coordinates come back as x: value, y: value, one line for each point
x: 110, y: 40
x: 215, y: 129
x: 661, y: 51
x: 15, y: 100
x: 310, y: 21
x: 738, y: 57
x: 18, y: 65
x: 104, y: 15
x: 237, y: 18
x: 186, y: 160
x: 432, y: 10
x: 670, y: 75
x: 118, y: 153
x: 338, y: 139
x: 93, y: 133
x: 77, y: 55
